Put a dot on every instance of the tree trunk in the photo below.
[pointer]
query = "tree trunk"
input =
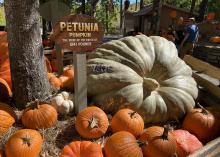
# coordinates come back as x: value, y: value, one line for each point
x: 141, y: 4
x: 192, y: 6
x: 28, y: 70
x: 202, y: 10
x: 155, y: 23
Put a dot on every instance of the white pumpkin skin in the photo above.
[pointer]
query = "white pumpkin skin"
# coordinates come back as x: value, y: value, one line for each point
x: 62, y: 103
x: 145, y: 74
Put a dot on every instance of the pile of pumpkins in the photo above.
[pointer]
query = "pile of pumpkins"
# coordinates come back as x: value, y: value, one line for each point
x: 129, y: 136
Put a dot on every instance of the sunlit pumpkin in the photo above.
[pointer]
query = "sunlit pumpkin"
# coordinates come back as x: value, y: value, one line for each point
x: 186, y: 143
x: 5, y: 90
x: 159, y: 142
x: 123, y: 144
x: 203, y: 123
x: 7, y: 117
x: 54, y: 81
x: 91, y: 122
x: 144, y: 74
x: 127, y: 120
x: 82, y: 149
x: 39, y: 116
x: 24, y: 143
x: 215, y: 39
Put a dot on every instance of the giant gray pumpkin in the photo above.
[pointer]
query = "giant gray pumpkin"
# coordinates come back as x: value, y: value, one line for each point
x: 143, y: 73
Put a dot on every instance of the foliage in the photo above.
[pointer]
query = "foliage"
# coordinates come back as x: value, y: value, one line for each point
x: 104, y: 13
x: 214, y: 6
x: 2, y: 16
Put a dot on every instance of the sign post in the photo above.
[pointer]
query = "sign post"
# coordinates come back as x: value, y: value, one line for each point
x: 81, y: 34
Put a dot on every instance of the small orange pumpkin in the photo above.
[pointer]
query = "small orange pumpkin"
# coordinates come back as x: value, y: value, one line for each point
x: 24, y: 143
x: 2, y: 153
x: 91, y: 122
x: 5, y: 90
x: 203, y: 123
x: 69, y: 71
x: 123, y: 144
x: 215, y: 39
x: 54, y: 81
x: 159, y: 142
x: 186, y: 143
x: 39, y: 116
x: 67, y: 83
x: 7, y: 117
x: 82, y: 149
x: 127, y: 120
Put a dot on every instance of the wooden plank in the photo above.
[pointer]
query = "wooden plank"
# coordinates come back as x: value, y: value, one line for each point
x: 212, y: 149
x: 203, y: 67
x: 208, y: 85
x: 80, y: 82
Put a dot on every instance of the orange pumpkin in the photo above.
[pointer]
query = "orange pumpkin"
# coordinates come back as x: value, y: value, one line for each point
x: 123, y: 144
x: 54, y: 81
x: 69, y: 71
x: 7, y: 117
x: 91, y: 122
x: 215, y: 39
x: 186, y: 143
x: 203, y: 123
x: 24, y: 143
x: 67, y: 83
x: 127, y: 120
x: 39, y: 116
x: 82, y: 149
x: 5, y: 90
x: 2, y: 153
x: 159, y: 142
x: 4, y: 59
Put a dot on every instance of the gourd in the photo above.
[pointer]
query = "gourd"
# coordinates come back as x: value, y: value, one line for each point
x: 67, y: 79
x: 91, y: 122
x: 204, y: 123
x: 159, y: 142
x: 5, y: 90
x: 24, y: 143
x: 38, y: 116
x: 82, y: 149
x: 123, y: 144
x: 186, y: 142
x: 62, y: 103
x: 7, y: 117
x: 127, y: 120
x: 142, y: 73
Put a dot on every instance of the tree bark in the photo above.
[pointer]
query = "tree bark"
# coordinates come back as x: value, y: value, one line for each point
x: 193, y: 3
x: 28, y: 70
x: 202, y: 10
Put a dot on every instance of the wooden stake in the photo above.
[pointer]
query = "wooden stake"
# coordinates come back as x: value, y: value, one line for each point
x: 80, y: 81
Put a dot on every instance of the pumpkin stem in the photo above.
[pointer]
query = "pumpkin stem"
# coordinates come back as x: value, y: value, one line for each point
x: 93, y: 123
x: 132, y: 114
x: 150, y: 84
x: 26, y: 140
x: 142, y: 143
x: 165, y: 132
x: 204, y: 111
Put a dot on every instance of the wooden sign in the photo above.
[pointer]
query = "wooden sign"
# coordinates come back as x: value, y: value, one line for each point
x: 79, y: 33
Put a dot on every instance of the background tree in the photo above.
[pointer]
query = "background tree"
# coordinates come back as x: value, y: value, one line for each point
x: 28, y: 71
x: 193, y: 3
x: 202, y: 10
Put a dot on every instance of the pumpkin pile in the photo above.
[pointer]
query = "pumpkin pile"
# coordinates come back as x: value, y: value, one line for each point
x: 137, y: 86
